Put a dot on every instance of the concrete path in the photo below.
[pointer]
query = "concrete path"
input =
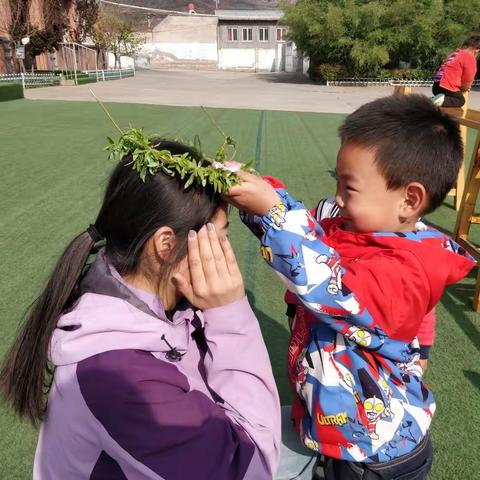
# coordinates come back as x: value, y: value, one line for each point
x: 263, y: 91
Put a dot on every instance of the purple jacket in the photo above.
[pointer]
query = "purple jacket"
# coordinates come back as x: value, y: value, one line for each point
x: 141, y: 395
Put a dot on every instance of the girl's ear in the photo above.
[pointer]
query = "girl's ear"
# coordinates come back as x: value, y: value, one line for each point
x: 163, y: 243
x: 415, y: 200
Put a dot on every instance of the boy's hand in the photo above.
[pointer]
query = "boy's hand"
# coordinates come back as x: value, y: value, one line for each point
x: 253, y: 195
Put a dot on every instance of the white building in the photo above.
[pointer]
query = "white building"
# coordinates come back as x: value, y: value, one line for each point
x: 250, y: 39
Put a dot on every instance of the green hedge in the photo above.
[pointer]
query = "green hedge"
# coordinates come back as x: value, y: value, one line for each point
x: 81, y: 80
x: 10, y: 91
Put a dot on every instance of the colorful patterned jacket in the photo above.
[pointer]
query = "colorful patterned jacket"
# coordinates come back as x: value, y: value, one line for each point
x: 358, y: 376
x: 140, y: 393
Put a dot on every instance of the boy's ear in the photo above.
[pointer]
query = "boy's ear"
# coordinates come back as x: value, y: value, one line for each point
x: 163, y: 243
x: 415, y: 200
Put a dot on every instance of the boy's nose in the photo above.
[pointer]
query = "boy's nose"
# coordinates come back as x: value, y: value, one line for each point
x: 338, y: 199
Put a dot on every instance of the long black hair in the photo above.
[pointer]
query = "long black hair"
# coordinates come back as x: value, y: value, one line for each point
x: 131, y: 212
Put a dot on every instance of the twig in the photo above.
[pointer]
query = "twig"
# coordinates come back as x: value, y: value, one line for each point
x: 106, y: 111
x: 213, y: 121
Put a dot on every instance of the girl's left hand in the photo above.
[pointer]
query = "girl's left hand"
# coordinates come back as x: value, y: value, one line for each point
x: 215, y: 279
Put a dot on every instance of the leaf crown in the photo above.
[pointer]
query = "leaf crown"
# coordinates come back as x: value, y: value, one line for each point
x: 147, y: 160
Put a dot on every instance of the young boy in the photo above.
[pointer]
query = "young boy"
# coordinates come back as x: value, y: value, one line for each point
x: 369, y: 277
x: 328, y: 208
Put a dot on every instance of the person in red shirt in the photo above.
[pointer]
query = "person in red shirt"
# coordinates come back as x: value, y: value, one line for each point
x: 456, y: 74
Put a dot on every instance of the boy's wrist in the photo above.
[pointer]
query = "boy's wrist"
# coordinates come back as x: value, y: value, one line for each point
x: 271, y: 203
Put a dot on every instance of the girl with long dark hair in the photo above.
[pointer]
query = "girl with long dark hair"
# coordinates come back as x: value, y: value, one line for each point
x: 153, y: 361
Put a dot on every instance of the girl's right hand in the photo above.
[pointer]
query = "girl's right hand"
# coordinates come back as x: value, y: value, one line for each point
x: 215, y: 279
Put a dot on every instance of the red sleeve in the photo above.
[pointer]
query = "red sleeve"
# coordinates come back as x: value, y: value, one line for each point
x: 426, y: 332
x: 469, y: 68
x: 392, y: 286
x: 290, y: 298
x: 274, y: 182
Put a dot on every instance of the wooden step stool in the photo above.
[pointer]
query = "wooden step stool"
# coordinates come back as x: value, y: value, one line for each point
x: 466, y: 215
x: 460, y: 113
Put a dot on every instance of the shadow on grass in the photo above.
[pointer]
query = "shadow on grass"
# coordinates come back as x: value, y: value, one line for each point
x: 276, y: 338
x: 457, y: 300
x: 473, y: 377
x: 448, y: 204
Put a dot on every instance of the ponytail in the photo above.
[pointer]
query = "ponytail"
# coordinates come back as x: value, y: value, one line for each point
x: 26, y: 373
x: 131, y: 212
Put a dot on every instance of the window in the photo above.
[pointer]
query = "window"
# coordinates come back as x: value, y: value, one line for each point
x: 247, y: 34
x: 232, y: 34
x: 281, y: 34
x: 263, y: 34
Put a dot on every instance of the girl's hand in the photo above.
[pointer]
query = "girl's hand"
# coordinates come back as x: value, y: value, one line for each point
x: 215, y: 278
x: 253, y: 195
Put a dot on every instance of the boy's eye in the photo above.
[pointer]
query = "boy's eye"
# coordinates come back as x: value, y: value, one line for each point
x: 351, y: 189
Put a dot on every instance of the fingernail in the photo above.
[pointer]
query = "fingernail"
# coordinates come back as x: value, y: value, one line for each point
x: 210, y: 227
x: 223, y: 238
x: 191, y: 234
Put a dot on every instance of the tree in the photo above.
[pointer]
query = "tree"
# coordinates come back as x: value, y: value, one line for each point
x: 86, y: 16
x: 44, y: 36
x: 16, y: 24
x: 365, y: 36
x: 114, y: 33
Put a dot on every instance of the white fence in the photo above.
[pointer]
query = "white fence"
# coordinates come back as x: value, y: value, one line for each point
x: 104, y: 75
x: 382, y: 82
x: 32, y: 80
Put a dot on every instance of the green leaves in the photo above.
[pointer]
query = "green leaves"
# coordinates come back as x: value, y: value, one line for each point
x: 365, y: 36
x: 147, y: 160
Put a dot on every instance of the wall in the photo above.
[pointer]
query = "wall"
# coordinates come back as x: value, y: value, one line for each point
x: 126, y: 62
x: 255, y: 42
x: 255, y: 54
x: 247, y: 59
x: 175, y: 39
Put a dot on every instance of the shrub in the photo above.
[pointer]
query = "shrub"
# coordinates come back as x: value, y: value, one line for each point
x: 411, y: 74
x: 10, y: 91
x: 330, y: 71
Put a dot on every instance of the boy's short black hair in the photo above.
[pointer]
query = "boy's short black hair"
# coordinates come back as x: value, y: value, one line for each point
x: 414, y: 141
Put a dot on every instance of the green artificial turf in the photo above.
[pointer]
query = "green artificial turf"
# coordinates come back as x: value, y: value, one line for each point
x: 53, y: 173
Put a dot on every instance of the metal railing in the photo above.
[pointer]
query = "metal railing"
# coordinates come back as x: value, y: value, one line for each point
x: 382, y: 82
x: 32, y: 80
x: 76, y: 57
x: 105, y: 75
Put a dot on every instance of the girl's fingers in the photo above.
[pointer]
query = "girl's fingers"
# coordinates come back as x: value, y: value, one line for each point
x: 206, y: 255
x: 194, y: 260
x: 184, y: 287
x: 230, y: 258
x: 218, y: 256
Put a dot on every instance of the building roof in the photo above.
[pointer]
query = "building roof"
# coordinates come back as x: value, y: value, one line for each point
x: 145, y: 20
x: 203, y: 6
x: 249, y: 14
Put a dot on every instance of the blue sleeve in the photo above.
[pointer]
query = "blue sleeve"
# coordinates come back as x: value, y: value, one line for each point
x: 293, y: 244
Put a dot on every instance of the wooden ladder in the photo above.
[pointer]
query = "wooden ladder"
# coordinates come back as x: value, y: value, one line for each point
x: 466, y: 214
